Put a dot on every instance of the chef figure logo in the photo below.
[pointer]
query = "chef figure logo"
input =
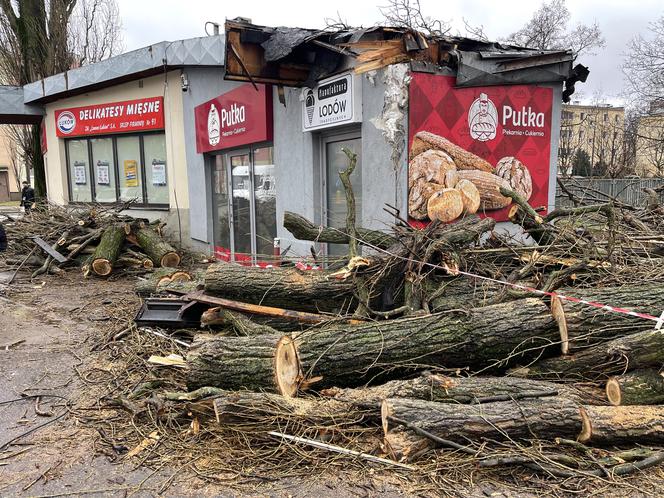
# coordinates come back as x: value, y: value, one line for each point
x: 482, y: 119
x: 213, y: 125
x: 309, y: 105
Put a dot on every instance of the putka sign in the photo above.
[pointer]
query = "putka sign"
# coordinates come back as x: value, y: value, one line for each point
x: 115, y: 117
x: 507, y: 127
x: 333, y: 102
x: 239, y: 117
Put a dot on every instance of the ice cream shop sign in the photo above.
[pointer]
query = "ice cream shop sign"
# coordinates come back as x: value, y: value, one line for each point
x: 114, y: 117
x: 239, y: 117
x: 333, y: 102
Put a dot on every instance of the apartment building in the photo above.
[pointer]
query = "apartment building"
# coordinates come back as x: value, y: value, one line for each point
x: 598, y: 130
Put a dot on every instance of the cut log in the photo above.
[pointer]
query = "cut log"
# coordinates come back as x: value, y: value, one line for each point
x: 548, y: 418
x: 445, y: 389
x: 243, y: 406
x: 613, y: 425
x: 169, y: 280
x: 108, y: 250
x: 281, y: 287
x: 303, y: 229
x: 159, y: 251
x: 640, y: 387
x: 641, y: 350
x: 262, y: 362
x: 488, y: 338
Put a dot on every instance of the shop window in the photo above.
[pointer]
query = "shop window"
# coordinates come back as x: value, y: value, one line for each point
x: 156, y: 185
x: 129, y: 166
x: 265, y: 199
x: 79, y: 170
x: 103, y: 169
x: 123, y: 168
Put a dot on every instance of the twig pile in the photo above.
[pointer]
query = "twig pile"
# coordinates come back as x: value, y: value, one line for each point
x: 95, y: 238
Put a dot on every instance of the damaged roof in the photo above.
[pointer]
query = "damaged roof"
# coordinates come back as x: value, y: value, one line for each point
x: 301, y: 57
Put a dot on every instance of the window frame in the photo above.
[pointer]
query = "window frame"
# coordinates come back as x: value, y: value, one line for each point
x: 145, y: 203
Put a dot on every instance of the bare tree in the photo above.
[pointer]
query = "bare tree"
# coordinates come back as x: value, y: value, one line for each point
x: 549, y: 29
x: 39, y: 38
x: 644, y: 71
x: 95, y: 31
x: 408, y: 13
x: 644, y: 66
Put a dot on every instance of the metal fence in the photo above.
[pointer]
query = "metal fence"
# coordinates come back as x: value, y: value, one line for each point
x: 629, y: 191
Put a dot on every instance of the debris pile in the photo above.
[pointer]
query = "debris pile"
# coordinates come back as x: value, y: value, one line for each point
x: 454, y: 346
x: 97, y: 239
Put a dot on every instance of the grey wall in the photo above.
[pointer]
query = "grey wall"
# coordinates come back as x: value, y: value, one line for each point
x: 204, y: 84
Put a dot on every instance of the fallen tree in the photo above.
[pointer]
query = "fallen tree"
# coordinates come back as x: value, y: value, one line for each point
x: 640, y: 387
x: 159, y: 251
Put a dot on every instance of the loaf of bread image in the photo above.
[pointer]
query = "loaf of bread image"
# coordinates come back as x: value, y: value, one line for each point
x: 517, y: 175
x: 418, y: 196
x: 464, y: 160
x: 445, y: 205
x: 488, y: 186
x: 470, y: 196
x: 430, y: 166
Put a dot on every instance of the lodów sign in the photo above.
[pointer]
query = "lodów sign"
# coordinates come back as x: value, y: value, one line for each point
x: 113, y: 117
x: 491, y: 137
x: 239, y: 117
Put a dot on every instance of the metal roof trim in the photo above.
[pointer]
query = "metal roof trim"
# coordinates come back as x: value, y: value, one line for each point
x: 202, y: 51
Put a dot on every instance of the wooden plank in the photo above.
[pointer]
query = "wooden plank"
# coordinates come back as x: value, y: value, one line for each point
x: 255, y: 309
x: 49, y: 250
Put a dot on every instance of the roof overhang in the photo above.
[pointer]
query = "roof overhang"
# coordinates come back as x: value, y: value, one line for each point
x: 206, y: 51
x: 13, y: 110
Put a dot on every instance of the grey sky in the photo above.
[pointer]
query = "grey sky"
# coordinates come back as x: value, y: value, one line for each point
x: 150, y: 21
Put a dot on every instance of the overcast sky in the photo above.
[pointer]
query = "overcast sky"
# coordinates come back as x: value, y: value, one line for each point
x: 150, y: 21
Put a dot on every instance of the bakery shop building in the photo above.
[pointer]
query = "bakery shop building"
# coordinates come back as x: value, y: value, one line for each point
x: 222, y: 135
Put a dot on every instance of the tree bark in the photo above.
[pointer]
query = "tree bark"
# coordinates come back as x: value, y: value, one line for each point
x: 547, y: 418
x: 108, y: 250
x: 237, y: 322
x: 641, y: 387
x: 159, y: 251
x: 612, y: 425
x: 262, y: 362
x: 281, y: 287
x: 641, y: 350
x: 460, y: 390
x: 303, y: 229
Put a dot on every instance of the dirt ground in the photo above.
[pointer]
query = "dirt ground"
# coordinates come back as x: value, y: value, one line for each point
x: 47, y: 328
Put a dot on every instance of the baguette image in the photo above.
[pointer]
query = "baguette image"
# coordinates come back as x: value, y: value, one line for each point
x: 488, y: 186
x: 464, y: 160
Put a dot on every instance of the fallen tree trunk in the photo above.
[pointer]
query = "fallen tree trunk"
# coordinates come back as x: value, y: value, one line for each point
x: 548, y: 418
x: 611, y: 425
x: 281, y: 287
x: 303, y: 229
x: 488, y: 338
x: 108, y: 250
x: 444, y: 389
x: 640, y: 387
x: 641, y: 350
x: 157, y: 249
x: 261, y: 362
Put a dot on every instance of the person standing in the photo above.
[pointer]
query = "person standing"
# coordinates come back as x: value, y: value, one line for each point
x: 27, y: 197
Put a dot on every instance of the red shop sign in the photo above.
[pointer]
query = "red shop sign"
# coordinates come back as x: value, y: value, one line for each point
x: 113, y: 117
x: 506, y: 128
x: 239, y: 117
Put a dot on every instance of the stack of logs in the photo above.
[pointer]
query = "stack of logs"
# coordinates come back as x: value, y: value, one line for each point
x: 98, y: 239
x: 436, y: 336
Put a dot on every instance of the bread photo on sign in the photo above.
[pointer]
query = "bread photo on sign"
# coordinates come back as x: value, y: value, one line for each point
x: 437, y: 166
